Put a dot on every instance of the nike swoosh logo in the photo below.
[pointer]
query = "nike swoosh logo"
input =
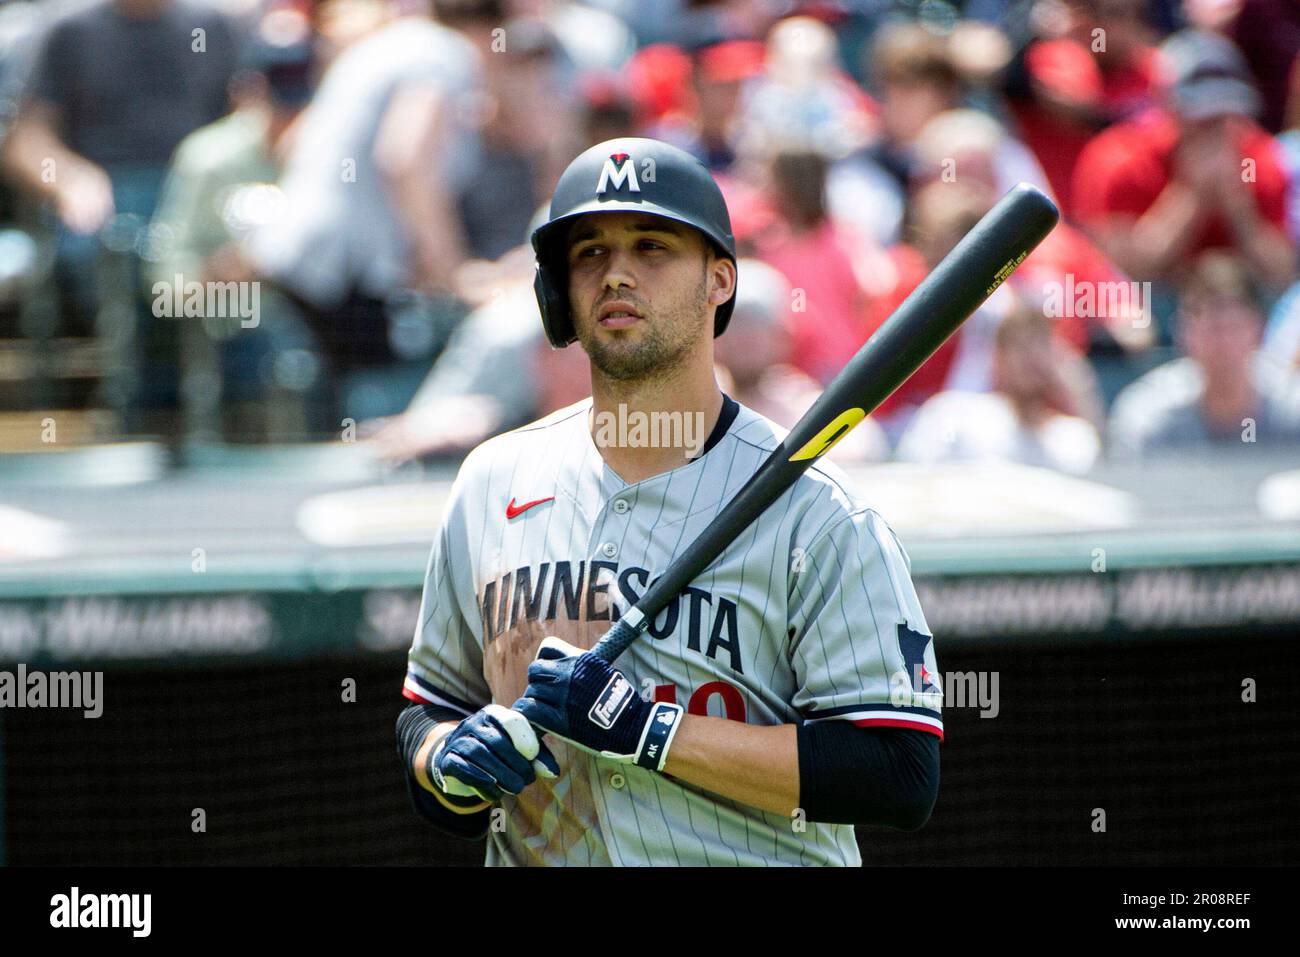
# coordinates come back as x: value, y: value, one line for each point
x: 512, y: 509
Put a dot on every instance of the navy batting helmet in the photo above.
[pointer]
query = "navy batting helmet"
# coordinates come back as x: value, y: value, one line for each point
x: 629, y: 174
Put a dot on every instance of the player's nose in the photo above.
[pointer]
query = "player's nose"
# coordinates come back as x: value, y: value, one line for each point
x: 619, y: 271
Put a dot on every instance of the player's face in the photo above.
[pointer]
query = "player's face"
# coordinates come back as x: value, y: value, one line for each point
x: 640, y: 291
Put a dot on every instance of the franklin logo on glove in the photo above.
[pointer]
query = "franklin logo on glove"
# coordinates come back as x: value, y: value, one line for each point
x: 611, y: 702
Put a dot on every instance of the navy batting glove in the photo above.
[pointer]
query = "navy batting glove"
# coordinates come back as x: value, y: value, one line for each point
x: 493, y: 752
x: 589, y: 703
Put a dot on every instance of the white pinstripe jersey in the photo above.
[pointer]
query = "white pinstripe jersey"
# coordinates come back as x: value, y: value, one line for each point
x: 810, y: 615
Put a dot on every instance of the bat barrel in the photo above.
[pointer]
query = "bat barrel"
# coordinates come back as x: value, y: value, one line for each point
x: 954, y: 289
x: 967, y: 276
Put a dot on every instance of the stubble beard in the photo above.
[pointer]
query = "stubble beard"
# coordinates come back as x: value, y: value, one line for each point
x: 664, y: 343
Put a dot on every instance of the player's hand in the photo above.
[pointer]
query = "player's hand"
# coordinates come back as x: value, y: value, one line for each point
x: 493, y: 752
x: 589, y: 703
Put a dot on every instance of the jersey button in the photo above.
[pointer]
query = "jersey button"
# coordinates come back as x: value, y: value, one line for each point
x: 617, y: 781
x: 620, y: 505
x: 609, y: 549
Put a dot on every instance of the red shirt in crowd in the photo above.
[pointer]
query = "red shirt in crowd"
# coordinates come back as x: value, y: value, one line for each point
x: 1124, y: 169
x: 1067, y: 252
x: 828, y: 331
x: 1069, y: 70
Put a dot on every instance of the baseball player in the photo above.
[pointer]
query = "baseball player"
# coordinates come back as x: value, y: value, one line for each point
x: 788, y: 693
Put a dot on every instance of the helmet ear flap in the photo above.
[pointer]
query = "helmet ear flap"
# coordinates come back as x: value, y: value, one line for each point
x: 723, y: 316
x: 554, y: 307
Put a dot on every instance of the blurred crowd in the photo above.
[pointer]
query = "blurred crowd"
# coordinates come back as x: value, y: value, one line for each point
x: 270, y: 221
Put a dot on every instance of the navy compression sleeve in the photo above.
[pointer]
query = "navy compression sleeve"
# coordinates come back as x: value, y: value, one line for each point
x: 413, y: 726
x: 852, y: 775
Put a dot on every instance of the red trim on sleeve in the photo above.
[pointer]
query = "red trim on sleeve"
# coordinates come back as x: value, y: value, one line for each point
x: 408, y: 693
x: 898, y: 723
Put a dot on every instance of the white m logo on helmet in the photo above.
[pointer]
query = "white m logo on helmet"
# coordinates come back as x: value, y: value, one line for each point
x: 618, y: 169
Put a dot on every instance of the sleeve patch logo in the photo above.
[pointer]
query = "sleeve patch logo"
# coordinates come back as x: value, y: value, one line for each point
x: 913, y: 645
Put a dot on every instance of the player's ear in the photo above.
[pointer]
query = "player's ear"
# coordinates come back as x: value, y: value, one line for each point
x: 722, y: 279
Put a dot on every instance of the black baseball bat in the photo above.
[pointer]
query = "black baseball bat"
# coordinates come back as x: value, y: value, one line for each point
x: 956, y: 287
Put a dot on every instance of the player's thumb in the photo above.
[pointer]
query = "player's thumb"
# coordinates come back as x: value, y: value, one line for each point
x: 553, y: 648
x: 521, y: 734
x: 545, y: 765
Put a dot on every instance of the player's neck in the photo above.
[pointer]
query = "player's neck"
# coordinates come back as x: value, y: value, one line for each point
x: 647, y: 427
